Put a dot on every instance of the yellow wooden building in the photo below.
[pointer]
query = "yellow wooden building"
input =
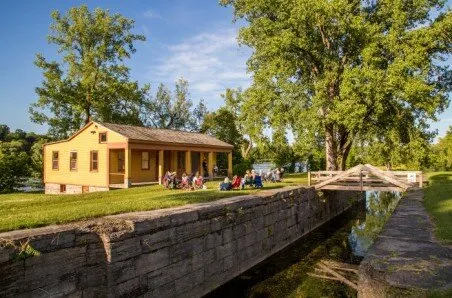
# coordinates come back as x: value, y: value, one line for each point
x: 102, y: 156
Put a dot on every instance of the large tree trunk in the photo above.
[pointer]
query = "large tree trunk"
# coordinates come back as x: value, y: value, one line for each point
x: 337, y: 147
x: 330, y: 148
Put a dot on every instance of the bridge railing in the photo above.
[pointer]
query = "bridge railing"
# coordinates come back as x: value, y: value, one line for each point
x: 365, y: 177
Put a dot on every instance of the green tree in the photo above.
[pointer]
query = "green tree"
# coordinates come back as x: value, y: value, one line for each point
x: 4, y: 132
x: 280, y: 151
x: 345, y: 69
x: 442, y: 152
x: 222, y: 125
x: 13, y: 165
x: 36, y: 158
x: 234, y: 100
x: 92, y: 80
x: 165, y: 110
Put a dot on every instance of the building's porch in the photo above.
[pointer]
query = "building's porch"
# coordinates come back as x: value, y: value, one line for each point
x: 139, y: 164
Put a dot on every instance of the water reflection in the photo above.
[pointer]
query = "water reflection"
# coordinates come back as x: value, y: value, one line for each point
x: 343, y: 239
x: 379, y: 206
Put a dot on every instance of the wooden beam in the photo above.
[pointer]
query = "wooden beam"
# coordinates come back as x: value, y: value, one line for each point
x: 339, y: 276
x: 358, y: 188
x: 380, y: 174
x: 340, y: 176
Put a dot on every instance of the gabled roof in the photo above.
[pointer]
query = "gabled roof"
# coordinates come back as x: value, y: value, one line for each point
x: 138, y: 133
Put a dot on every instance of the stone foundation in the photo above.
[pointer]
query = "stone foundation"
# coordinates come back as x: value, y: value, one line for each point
x: 179, y: 252
x: 97, y: 188
x: 54, y: 188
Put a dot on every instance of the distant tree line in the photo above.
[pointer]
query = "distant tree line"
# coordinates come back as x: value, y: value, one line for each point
x: 20, y: 157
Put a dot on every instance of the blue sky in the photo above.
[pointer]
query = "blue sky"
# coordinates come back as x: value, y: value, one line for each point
x: 194, y: 39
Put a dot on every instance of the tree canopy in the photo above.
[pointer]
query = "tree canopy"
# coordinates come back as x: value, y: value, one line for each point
x: 173, y: 110
x: 345, y: 70
x: 91, y: 80
x: 442, y: 152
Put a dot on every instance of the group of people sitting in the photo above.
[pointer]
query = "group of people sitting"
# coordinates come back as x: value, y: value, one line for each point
x: 274, y: 175
x: 250, y: 179
x: 187, y: 182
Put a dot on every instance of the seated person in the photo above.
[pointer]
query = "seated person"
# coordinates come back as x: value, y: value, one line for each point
x: 277, y: 175
x: 198, y: 182
x: 226, y: 185
x: 184, y: 184
x: 166, y: 179
x: 248, y: 179
x: 268, y: 176
x: 236, y: 182
x: 172, y: 181
x: 257, y: 182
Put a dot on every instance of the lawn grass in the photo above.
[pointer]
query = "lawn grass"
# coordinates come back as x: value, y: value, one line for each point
x: 438, y: 202
x: 26, y: 210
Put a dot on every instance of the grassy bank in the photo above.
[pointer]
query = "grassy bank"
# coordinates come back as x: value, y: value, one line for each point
x: 25, y: 210
x: 438, y: 202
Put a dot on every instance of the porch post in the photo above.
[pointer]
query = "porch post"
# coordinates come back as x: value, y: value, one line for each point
x: 161, y: 161
x: 214, y: 162
x: 188, y: 168
x: 201, y: 160
x: 127, y: 167
x: 230, y: 164
x: 174, y: 161
x: 210, y: 164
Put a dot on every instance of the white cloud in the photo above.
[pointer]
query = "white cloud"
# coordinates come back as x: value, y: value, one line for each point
x: 446, y: 119
x: 210, y: 62
x: 152, y: 15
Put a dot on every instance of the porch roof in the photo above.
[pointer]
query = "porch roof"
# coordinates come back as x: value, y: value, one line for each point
x: 170, y: 136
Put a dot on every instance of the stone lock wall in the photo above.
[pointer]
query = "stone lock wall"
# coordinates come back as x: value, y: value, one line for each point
x: 186, y: 251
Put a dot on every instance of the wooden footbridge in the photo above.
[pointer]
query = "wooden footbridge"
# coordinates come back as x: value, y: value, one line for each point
x: 365, y: 177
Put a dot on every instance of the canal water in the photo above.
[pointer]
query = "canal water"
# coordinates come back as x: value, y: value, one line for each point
x: 346, y: 239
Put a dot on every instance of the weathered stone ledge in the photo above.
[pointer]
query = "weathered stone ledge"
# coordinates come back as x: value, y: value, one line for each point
x: 184, y: 251
x: 405, y: 259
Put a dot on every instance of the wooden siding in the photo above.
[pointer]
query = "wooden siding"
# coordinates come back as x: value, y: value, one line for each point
x: 83, y: 143
x: 140, y: 175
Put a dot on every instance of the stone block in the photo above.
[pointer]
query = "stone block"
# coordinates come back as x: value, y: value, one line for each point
x: 159, y: 277
x: 186, y: 215
x: 213, y: 268
x: 184, y: 284
x: 239, y: 231
x: 164, y: 291
x: 192, y: 230
x: 186, y: 249
x: 227, y: 235
x: 125, y: 249
x: 152, y: 261
x: 52, y: 188
x: 202, y: 259
x: 213, y: 240
x: 123, y: 270
x: 229, y: 262
x: 225, y: 250
x: 157, y: 240
x: 73, y: 189
x: 156, y: 223
x: 130, y: 288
